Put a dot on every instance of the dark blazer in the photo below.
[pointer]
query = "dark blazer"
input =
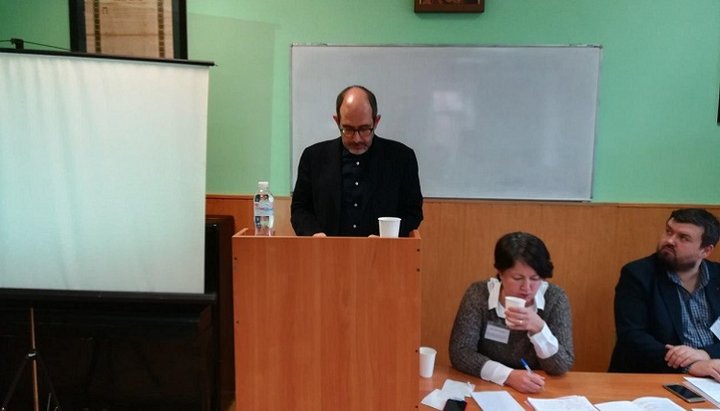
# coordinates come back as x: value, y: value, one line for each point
x: 648, y: 316
x: 393, y: 188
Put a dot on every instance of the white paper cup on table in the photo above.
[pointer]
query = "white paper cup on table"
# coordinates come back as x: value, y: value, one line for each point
x: 427, y: 361
x: 389, y: 227
x: 513, y: 302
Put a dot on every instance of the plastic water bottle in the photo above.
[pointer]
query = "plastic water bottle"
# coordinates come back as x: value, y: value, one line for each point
x: 263, y: 209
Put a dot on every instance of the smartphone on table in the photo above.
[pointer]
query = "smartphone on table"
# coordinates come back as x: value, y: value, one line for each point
x: 455, y: 405
x: 684, y: 392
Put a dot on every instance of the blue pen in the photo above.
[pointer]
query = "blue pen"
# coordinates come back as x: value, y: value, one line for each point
x: 525, y: 364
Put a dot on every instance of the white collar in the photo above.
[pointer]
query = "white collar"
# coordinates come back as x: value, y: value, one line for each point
x: 494, y: 286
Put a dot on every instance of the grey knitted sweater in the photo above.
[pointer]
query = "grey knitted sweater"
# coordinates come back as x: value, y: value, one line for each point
x: 469, y: 351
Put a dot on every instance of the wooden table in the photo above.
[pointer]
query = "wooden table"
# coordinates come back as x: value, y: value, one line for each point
x: 597, y: 387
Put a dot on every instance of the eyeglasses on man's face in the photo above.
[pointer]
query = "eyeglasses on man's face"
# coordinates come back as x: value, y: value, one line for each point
x: 362, y: 131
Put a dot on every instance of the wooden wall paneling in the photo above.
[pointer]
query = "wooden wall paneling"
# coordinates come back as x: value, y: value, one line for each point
x: 442, y: 260
x: 241, y: 207
x: 639, y: 230
x: 589, y: 243
x: 580, y: 241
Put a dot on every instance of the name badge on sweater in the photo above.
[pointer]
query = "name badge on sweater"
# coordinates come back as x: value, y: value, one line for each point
x: 497, y: 333
x: 716, y: 328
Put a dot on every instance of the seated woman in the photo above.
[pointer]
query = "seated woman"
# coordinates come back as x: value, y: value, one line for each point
x: 489, y: 339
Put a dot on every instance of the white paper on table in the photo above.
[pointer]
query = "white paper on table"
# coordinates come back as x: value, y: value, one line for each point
x: 640, y: 404
x: 451, y: 389
x: 705, y: 409
x: 708, y: 388
x: 435, y: 399
x: 496, y: 401
x: 458, y: 388
x: 617, y: 406
x: 569, y: 403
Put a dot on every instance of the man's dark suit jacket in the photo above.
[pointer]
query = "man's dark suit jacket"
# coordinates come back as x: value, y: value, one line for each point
x: 393, y: 189
x: 648, y: 316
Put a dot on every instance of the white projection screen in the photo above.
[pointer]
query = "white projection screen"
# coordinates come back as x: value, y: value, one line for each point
x: 102, y: 173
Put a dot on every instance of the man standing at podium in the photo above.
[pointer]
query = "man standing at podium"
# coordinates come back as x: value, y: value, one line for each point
x: 344, y: 184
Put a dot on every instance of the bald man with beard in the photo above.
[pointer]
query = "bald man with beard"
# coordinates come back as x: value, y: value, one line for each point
x: 344, y: 184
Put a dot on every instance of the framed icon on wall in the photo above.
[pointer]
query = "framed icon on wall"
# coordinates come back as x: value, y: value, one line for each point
x: 137, y: 28
x: 449, y: 6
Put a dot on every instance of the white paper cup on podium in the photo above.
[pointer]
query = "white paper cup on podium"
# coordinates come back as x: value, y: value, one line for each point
x: 427, y: 361
x: 513, y: 302
x: 389, y: 226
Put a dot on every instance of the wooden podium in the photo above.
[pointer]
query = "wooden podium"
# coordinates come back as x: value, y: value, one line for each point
x: 326, y: 323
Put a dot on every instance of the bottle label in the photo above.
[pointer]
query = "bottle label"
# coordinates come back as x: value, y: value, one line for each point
x: 263, y: 209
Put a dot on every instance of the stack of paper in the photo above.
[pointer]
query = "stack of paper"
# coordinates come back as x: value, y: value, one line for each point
x: 708, y: 388
x: 496, y: 401
x: 569, y: 403
x: 640, y: 404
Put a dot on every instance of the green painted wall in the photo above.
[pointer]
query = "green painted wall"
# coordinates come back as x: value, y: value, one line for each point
x: 39, y: 21
x: 658, y: 140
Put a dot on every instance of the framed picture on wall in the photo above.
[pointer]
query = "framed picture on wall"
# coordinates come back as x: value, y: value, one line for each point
x: 449, y: 6
x: 137, y: 28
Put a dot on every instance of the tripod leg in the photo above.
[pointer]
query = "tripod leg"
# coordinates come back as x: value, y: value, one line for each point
x: 33, y: 351
x: 48, y: 381
x: 16, y: 379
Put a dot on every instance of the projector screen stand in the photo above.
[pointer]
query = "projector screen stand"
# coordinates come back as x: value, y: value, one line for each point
x: 32, y: 356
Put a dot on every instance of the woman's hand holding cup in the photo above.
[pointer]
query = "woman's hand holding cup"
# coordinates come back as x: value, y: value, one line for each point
x: 520, y: 318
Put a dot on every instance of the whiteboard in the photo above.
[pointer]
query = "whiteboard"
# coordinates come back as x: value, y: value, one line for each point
x: 489, y: 122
